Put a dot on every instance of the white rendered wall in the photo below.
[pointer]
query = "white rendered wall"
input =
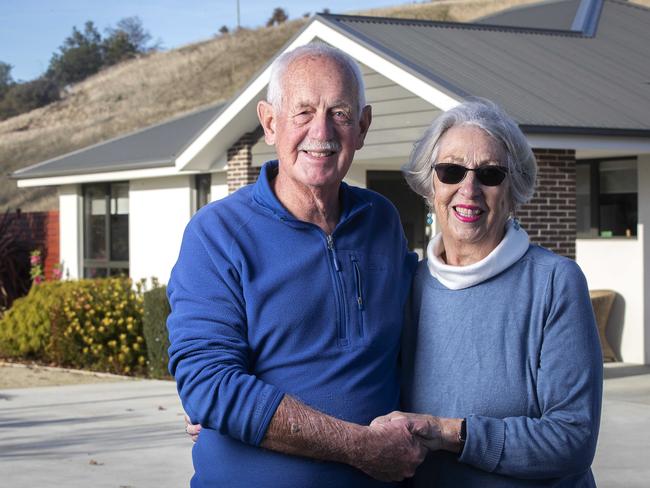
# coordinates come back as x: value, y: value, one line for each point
x: 219, y: 186
x: 616, y: 264
x: 70, y: 242
x: 619, y: 264
x: 159, y: 210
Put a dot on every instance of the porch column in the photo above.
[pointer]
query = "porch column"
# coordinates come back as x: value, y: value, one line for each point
x: 70, y: 230
x: 550, y: 216
x: 241, y: 171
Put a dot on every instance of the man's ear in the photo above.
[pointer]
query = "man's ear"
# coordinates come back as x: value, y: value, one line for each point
x: 266, y: 115
x: 364, y: 125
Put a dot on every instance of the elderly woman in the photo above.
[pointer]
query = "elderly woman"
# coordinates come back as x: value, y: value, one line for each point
x: 502, y: 352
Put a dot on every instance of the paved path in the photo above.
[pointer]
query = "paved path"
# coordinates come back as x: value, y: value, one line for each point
x: 109, y: 435
x: 623, y: 454
x: 130, y: 435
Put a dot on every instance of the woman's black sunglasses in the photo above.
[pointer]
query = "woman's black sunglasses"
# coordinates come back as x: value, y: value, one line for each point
x: 450, y: 173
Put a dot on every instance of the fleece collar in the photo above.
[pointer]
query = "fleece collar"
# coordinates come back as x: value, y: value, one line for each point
x: 263, y: 195
x: 512, y: 247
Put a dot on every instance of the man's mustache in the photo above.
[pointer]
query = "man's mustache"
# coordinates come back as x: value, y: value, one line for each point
x: 314, y: 145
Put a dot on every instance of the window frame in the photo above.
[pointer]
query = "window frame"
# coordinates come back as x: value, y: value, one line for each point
x: 107, y: 264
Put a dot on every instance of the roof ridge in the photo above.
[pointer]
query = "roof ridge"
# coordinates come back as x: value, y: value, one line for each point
x: 627, y: 3
x: 451, y: 25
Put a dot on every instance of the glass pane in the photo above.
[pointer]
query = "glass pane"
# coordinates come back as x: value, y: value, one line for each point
x: 618, y: 198
x: 120, y: 222
x: 120, y: 199
x: 618, y: 214
x: 95, y: 222
x: 203, y: 183
x: 119, y: 272
x: 618, y: 176
x: 95, y: 272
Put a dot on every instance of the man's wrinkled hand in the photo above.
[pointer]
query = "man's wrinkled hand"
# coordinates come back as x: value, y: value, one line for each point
x: 390, y: 452
x: 433, y: 432
x: 193, y: 430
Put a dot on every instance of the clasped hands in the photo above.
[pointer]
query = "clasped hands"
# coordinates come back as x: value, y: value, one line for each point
x: 403, y: 441
x: 394, y: 445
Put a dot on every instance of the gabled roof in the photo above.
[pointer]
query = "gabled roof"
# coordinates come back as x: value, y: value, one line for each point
x: 555, y: 14
x: 156, y: 146
x: 547, y: 79
x: 585, y: 76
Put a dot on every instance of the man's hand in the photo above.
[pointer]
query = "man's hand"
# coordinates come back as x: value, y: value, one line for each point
x: 389, y: 451
x: 435, y: 433
x: 193, y: 430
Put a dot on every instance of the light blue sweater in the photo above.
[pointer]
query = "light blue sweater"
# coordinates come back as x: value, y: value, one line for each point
x: 519, y: 356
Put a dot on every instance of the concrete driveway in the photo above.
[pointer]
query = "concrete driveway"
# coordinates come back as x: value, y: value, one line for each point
x: 130, y: 435
x: 117, y: 435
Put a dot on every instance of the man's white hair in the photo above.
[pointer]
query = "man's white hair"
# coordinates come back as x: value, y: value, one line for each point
x: 282, y: 63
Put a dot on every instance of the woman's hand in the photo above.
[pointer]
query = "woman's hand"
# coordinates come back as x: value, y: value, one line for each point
x: 193, y: 430
x: 435, y: 433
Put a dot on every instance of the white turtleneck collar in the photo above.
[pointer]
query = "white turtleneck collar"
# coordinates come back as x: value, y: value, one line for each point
x: 511, y: 248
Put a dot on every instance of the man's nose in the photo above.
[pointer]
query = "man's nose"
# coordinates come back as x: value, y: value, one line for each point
x: 321, y: 128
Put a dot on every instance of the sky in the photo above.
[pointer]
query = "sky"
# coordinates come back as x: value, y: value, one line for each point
x: 32, y: 30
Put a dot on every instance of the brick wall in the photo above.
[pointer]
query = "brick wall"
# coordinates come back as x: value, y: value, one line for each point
x: 550, y: 216
x: 40, y: 230
x: 240, y: 170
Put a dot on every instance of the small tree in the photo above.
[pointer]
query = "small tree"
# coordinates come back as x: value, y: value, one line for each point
x: 5, y: 78
x: 128, y: 39
x: 79, y: 57
x: 224, y: 30
x: 117, y: 48
x: 23, y: 97
x: 279, y: 17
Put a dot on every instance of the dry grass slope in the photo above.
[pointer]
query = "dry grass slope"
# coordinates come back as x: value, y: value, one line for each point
x: 158, y: 86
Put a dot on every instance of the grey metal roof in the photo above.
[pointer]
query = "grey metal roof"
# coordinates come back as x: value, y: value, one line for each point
x: 556, y: 14
x: 547, y: 79
x: 154, y: 147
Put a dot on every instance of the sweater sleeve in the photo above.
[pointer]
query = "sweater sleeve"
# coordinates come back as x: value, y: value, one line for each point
x: 209, y: 352
x: 562, y: 441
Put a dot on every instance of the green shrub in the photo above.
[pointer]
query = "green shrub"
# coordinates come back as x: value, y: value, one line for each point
x: 154, y: 322
x: 100, y: 327
x: 25, y: 327
x: 87, y: 324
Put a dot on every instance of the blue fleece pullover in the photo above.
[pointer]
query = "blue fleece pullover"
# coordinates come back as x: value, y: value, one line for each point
x: 519, y: 356
x: 263, y: 305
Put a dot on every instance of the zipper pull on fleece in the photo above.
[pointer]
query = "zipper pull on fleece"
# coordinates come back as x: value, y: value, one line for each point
x: 330, y: 246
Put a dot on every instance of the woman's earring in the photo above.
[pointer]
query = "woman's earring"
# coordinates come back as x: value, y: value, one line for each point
x: 515, y: 222
x: 429, y: 218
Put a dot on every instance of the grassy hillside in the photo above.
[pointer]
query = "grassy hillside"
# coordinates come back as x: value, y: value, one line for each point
x: 158, y: 86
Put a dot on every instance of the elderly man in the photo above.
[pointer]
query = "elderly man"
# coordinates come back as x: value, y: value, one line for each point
x: 287, y: 302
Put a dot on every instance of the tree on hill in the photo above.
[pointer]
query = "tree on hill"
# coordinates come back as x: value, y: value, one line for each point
x: 224, y: 30
x: 278, y: 17
x: 128, y: 39
x: 23, y: 97
x: 79, y: 56
x: 5, y: 78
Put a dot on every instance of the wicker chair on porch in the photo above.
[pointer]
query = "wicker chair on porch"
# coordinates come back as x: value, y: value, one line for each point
x: 602, y: 301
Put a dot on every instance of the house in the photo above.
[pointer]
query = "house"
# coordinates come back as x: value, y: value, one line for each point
x: 575, y: 74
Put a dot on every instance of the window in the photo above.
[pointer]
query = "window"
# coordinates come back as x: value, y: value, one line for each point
x: 202, y: 185
x: 106, y: 230
x: 606, y: 198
